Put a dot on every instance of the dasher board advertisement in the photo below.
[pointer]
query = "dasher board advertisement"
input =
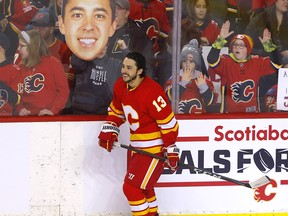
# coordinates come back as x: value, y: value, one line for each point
x: 282, y: 89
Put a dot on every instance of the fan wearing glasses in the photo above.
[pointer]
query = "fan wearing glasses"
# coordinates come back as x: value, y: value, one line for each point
x: 240, y: 71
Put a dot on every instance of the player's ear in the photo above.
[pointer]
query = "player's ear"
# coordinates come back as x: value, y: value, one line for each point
x: 139, y: 72
x: 113, y: 27
x: 61, y: 24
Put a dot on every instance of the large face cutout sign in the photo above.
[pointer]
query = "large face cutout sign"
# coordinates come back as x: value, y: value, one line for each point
x: 87, y: 25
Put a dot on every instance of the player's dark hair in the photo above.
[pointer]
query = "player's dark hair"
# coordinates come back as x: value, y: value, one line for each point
x: 112, y: 5
x: 140, y: 61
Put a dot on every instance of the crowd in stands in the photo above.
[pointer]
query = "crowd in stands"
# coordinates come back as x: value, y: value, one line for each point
x: 247, y: 39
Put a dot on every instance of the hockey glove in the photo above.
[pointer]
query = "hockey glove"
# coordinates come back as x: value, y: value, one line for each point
x: 172, y: 154
x: 108, y: 135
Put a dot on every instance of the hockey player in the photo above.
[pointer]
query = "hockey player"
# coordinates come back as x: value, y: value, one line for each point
x: 153, y: 128
x: 240, y: 72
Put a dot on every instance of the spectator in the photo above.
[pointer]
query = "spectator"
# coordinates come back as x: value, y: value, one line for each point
x: 162, y: 63
x: 240, y: 71
x: 270, y: 101
x: 189, y: 31
x: 275, y: 19
x: 238, y: 13
x: 196, y: 90
x: 8, y: 96
x: 199, y: 12
x: 128, y: 36
x: 153, y: 19
x: 218, y: 10
x: 55, y: 10
x: 87, y: 34
x: 44, y: 23
x: 41, y: 81
x: 14, y: 16
x: 94, y: 83
x: 169, y: 9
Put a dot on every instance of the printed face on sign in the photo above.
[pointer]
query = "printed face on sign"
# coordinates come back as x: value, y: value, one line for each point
x: 87, y: 25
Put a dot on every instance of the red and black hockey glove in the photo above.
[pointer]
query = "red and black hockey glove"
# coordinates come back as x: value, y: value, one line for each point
x: 172, y: 154
x: 108, y: 135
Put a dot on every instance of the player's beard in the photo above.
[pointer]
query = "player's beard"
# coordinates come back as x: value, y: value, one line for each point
x: 131, y: 78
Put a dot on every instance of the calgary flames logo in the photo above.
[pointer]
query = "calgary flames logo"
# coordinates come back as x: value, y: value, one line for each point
x: 242, y: 91
x: 262, y: 194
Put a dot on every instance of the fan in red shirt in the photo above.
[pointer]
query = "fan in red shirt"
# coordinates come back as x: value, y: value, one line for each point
x: 199, y: 12
x: 240, y: 71
x: 14, y: 16
x: 41, y: 80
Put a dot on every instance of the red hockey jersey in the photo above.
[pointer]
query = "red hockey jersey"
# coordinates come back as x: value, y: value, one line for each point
x: 146, y: 108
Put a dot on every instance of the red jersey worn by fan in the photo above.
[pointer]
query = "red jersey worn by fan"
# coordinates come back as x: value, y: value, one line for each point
x: 153, y: 18
x: 191, y: 100
x: 60, y: 50
x: 196, y: 91
x: 240, y: 77
x: 44, y: 87
x: 241, y: 81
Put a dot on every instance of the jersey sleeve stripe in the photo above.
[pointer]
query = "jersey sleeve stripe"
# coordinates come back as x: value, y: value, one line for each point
x: 174, y: 129
x: 147, y: 136
x: 166, y: 120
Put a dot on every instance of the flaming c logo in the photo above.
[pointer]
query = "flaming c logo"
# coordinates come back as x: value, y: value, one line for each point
x: 260, y: 193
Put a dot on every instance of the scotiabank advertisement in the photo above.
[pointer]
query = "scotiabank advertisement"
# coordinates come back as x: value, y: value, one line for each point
x: 245, y: 150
